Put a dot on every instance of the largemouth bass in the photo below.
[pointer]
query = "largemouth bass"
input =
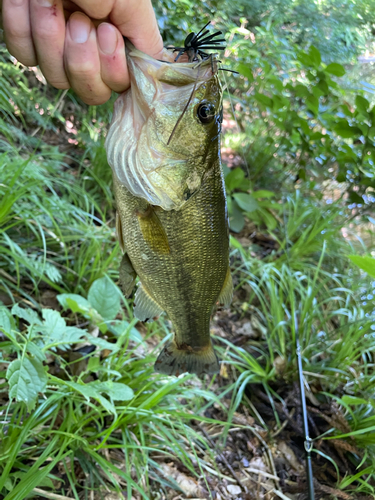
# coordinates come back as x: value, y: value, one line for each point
x: 164, y: 149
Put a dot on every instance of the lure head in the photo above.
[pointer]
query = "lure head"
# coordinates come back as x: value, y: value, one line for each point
x: 188, y: 40
x: 165, y: 132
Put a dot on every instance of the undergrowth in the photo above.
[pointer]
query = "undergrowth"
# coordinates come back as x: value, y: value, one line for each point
x: 81, y: 409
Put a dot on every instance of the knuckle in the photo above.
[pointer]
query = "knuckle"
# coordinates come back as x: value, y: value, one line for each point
x: 44, y: 33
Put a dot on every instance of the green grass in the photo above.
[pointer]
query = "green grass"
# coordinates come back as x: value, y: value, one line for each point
x: 57, y: 234
x: 337, y: 338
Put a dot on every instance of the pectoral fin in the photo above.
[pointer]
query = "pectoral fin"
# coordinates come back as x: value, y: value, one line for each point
x: 226, y: 293
x: 127, y: 275
x: 119, y: 234
x: 153, y: 232
x: 145, y: 306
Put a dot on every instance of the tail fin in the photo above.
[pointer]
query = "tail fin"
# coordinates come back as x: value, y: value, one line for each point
x: 174, y: 361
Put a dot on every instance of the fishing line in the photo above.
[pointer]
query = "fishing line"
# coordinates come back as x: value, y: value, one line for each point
x: 185, y: 108
x: 242, y: 154
x: 308, y: 444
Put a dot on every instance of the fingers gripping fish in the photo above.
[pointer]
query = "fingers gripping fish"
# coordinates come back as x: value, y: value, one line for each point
x: 172, y: 218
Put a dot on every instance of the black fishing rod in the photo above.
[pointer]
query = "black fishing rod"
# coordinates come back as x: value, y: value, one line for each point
x: 308, y: 440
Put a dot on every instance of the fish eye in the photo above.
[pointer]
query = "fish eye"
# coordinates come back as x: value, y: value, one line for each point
x: 206, y: 112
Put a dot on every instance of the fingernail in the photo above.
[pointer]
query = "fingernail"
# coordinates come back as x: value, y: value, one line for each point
x: 79, y: 27
x: 107, y: 38
x: 45, y: 3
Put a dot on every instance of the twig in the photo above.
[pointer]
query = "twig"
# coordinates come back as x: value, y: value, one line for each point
x: 263, y: 473
x: 49, y: 494
x: 229, y: 467
x: 280, y: 494
x: 284, y: 424
x: 332, y: 491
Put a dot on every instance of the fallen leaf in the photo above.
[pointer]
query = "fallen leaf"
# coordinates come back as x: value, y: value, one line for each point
x: 233, y: 489
x: 187, y: 484
x: 290, y: 456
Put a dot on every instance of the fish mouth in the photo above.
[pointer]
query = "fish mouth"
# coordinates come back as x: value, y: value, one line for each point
x: 184, y: 72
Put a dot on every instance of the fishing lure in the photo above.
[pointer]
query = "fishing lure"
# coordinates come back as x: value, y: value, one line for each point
x: 196, y: 42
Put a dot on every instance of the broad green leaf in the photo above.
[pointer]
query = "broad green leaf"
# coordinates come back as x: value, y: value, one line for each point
x: 54, y: 325
x: 302, y: 174
x: 323, y: 86
x: 246, y: 202
x: 335, y: 69
x: 236, y: 218
x: 316, y: 136
x: 72, y: 335
x: 305, y: 59
x: 315, y: 56
x: 5, y: 324
x: 79, y: 304
x: 27, y: 314
x: 35, y: 351
x: 361, y: 103
x: 105, y: 297
x: 312, y: 103
x: 355, y: 197
x: 123, y: 326
x: 93, y: 364
x: 88, y: 391
x: 234, y: 179
x: 8, y: 485
x: 245, y: 71
x: 268, y: 219
x: 26, y: 379
x: 262, y: 193
x: 345, y: 130
x: 264, y: 99
x: 102, y: 343
x: 115, y: 390
x: 371, y: 132
x: 278, y: 85
x: 366, y: 263
x: 56, y: 333
x: 341, y: 176
x: 75, y: 302
x: 301, y: 90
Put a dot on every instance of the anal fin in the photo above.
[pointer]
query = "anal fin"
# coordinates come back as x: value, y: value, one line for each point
x: 145, y: 307
x: 175, y: 361
x: 226, y: 293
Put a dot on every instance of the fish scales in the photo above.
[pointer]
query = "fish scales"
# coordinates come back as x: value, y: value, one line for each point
x: 180, y: 250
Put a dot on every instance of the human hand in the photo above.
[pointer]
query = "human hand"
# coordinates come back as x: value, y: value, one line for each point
x: 79, y: 43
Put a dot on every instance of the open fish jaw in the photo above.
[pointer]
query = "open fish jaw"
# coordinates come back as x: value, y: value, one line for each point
x: 143, y: 120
